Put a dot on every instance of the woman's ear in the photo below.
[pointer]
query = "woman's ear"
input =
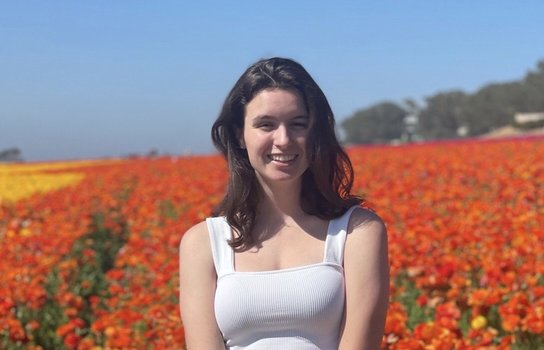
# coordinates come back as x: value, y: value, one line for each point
x: 240, y: 137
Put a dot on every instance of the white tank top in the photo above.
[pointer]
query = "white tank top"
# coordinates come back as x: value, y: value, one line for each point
x: 298, y: 308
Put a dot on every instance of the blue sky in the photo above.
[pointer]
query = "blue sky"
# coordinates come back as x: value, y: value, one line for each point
x: 87, y: 79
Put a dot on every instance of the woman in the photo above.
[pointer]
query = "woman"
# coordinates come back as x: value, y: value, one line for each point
x: 293, y: 262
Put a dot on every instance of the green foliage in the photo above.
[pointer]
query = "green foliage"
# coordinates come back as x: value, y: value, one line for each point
x: 167, y: 210
x: 492, y: 106
x: 50, y: 316
x: 8, y: 344
x: 379, y: 123
x: 528, y: 341
x: 533, y: 88
x: 442, y: 116
x: 464, y: 322
x: 90, y: 279
x: 105, y: 242
x: 408, y: 298
x: 494, y: 318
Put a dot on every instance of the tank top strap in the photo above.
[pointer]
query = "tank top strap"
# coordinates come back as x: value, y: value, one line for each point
x: 336, y: 238
x: 223, y: 255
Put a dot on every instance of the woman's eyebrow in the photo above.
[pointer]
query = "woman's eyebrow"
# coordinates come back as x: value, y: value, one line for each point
x: 266, y: 117
x: 263, y: 117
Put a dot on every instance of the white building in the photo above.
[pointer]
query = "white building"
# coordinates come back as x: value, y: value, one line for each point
x: 523, y: 118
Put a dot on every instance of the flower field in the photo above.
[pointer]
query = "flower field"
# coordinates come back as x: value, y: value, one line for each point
x: 90, y: 249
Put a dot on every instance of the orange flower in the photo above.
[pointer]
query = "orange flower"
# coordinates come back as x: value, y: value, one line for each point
x: 510, y: 322
x: 71, y: 341
x: 65, y: 329
x: 396, y: 319
x: 534, y: 320
x: 16, y: 331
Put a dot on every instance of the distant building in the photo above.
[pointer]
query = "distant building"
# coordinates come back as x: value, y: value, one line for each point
x: 463, y: 130
x: 505, y: 131
x: 524, y: 118
x: 411, y: 122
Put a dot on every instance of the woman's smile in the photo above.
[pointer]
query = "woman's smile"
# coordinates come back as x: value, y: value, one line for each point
x: 283, y: 158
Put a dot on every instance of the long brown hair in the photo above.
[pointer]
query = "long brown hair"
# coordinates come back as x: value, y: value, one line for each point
x: 327, y: 182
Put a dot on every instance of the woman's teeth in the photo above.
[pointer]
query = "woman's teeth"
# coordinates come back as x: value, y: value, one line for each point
x: 282, y: 157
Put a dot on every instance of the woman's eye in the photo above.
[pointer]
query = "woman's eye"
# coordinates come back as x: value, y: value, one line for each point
x: 300, y: 125
x: 266, y: 126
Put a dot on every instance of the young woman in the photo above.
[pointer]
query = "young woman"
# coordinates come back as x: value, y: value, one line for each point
x: 293, y: 262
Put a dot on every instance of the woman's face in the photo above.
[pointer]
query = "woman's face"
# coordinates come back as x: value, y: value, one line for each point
x: 276, y: 126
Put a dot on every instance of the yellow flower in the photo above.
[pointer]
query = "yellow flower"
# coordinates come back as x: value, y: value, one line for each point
x: 16, y: 186
x: 22, y: 180
x: 478, y: 322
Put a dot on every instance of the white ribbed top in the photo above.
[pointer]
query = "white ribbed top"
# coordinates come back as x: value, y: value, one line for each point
x: 297, y: 308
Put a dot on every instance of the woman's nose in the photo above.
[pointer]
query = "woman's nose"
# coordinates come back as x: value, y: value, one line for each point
x: 281, y: 136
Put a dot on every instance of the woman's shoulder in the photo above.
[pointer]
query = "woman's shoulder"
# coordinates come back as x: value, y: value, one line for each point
x: 195, y: 251
x: 364, y: 221
x: 366, y: 248
x: 195, y: 238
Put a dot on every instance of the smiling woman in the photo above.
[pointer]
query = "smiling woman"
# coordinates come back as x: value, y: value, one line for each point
x: 292, y: 261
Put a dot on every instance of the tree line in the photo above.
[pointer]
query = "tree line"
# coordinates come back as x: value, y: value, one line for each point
x: 11, y: 155
x: 449, y: 114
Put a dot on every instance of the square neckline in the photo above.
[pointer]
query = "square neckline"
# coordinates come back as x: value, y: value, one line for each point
x: 323, y: 261
x: 220, y: 233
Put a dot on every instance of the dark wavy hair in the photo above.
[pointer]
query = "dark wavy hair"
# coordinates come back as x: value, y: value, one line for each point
x: 327, y: 182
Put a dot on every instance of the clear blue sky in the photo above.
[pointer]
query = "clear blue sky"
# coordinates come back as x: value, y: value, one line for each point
x: 86, y: 79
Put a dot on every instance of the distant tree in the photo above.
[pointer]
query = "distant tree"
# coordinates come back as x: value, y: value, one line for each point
x: 11, y: 155
x: 152, y: 153
x: 442, y: 115
x: 379, y: 123
x: 493, y: 106
x: 533, y: 90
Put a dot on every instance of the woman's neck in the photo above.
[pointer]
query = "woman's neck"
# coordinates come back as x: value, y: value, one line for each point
x: 280, y: 201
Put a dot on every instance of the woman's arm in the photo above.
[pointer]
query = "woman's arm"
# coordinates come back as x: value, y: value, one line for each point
x: 197, y: 278
x: 366, y: 270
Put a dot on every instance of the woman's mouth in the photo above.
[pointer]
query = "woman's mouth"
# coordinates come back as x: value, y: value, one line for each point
x: 283, y: 158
